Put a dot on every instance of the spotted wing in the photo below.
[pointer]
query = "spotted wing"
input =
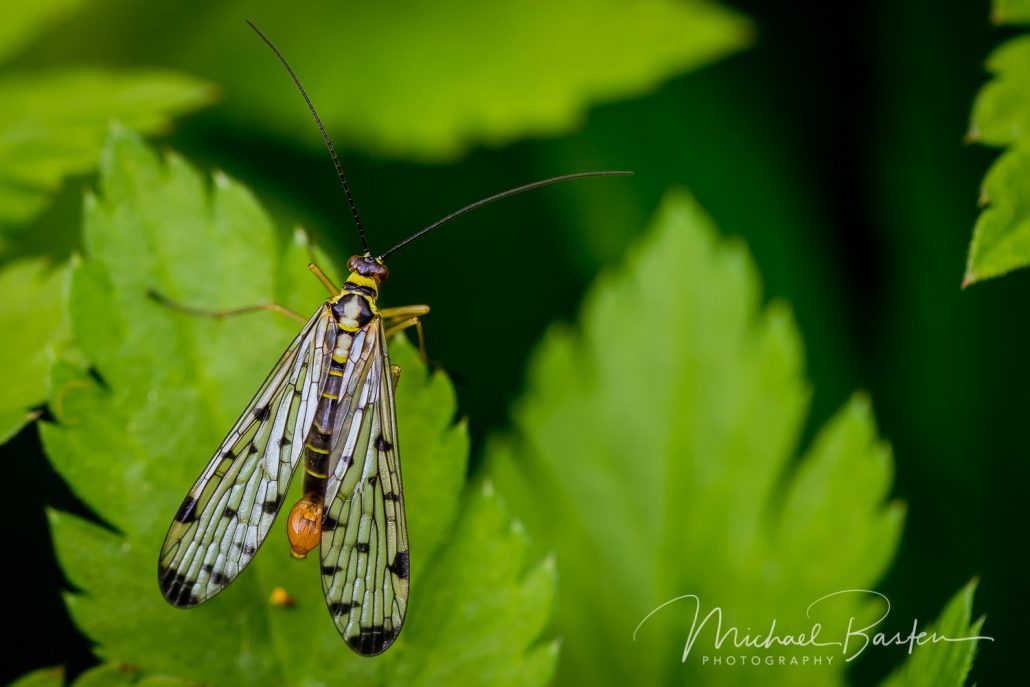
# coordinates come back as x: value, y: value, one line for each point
x: 229, y: 510
x: 364, y: 535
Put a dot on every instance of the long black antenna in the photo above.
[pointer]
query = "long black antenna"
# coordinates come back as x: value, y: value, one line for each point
x: 325, y: 136
x: 499, y: 196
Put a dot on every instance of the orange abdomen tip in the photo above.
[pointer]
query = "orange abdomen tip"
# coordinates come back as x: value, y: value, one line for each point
x: 304, y: 526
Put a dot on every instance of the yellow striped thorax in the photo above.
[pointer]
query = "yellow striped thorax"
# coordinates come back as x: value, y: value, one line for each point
x: 355, y: 305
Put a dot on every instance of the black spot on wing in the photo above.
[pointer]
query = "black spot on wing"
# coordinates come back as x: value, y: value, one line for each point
x: 249, y: 550
x: 361, y: 547
x: 187, y: 510
x: 338, y: 608
x: 372, y: 640
x: 177, y: 588
x: 399, y: 566
x: 284, y: 441
x: 229, y: 512
x: 372, y: 480
x: 271, y: 505
x: 330, y: 570
x: 329, y: 523
x: 391, y: 496
x: 382, y: 444
x: 219, y: 579
x: 262, y: 413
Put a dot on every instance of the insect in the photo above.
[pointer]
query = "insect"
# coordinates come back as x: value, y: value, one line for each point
x: 328, y: 404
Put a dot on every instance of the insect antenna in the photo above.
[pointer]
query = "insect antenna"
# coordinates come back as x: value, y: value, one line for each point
x: 321, y: 128
x: 499, y: 196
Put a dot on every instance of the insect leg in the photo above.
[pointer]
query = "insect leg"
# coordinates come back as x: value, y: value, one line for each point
x: 404, y: 311
x: 400, y: 318
x: 399, y: 326
x: 324, y: 278
x: 164, y: 300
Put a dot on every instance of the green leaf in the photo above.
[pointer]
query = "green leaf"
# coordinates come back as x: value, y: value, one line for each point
x: 53, y: 124
x: 1001, y: 112
x: 23, y: 21
x: 33, y: 320
x: 939, y: 662
x: 1001, y: 238
x: 172, y: 386
x: 1011, y: 12
x: 106, y: 675
x: 654, y: 452
x: 1001, y: 117
x: 44, y: 677
x: 426, y: 80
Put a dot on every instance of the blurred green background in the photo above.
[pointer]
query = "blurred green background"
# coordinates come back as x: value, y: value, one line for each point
x: 830, y: 138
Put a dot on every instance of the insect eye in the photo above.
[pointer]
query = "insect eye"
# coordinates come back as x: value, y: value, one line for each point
x: 368, y: 267
x: 380, y: 271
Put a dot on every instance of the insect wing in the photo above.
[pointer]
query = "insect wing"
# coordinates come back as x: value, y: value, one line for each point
x: 230, y: 509
x: 364, y: 535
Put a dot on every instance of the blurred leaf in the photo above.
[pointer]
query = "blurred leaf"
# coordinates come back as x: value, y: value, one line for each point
x: 1001, y: 111
x: 427, y: 80
x: 173, y: 384
x: 24, y: 20
x: 1001, y: 238
x: 1011, y: 12
x: 943, y: 663
x: 653, y: 450
x: 1001, y: 117
x: 53, y: 124
x: 44, y: 677
x: 34, y: 324
x: 106, y: 675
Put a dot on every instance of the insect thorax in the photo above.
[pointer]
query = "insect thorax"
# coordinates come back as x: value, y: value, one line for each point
x: 355, y: 307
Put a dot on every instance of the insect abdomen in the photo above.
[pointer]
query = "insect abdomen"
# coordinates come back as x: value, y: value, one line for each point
x: 304, y: 525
